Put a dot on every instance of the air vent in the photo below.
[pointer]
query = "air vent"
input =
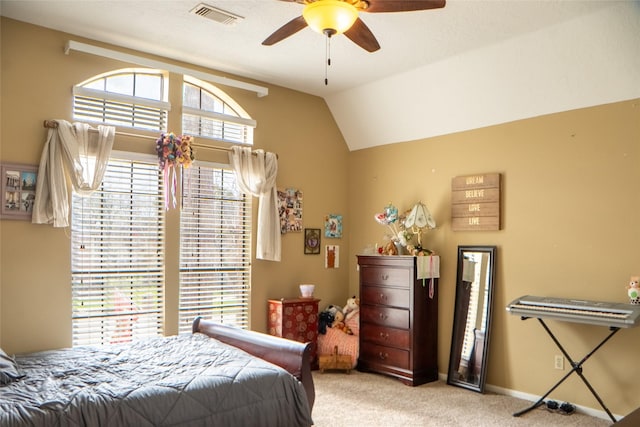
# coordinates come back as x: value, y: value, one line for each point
x: 215, y: 14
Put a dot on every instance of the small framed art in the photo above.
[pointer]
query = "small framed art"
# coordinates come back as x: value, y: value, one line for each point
x: 18, y: 190
x: 333, y: 226
x: 332, y: 256
x: 311, y: 241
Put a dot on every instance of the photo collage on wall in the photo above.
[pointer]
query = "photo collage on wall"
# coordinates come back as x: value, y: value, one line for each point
x: 19, y: 190
x: 290, y: 210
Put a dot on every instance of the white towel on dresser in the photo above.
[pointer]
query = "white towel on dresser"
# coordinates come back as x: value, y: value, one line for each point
x: 428, y: 267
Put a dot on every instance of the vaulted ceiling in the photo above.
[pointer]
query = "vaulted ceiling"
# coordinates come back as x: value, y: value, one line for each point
x: 470, y: 64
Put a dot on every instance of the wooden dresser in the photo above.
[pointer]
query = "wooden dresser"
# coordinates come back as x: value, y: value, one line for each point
x: 398, y: 319
x: 295, y: 319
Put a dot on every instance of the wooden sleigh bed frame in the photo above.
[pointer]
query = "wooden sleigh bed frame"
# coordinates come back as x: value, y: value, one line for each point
x: 218, y: 375
x: 293, y: 356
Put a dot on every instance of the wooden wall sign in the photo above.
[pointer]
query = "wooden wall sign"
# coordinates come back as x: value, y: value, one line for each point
x: 475, y: 202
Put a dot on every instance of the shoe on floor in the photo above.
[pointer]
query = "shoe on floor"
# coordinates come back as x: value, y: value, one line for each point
x: 552, y: 405
x: 567, y: 408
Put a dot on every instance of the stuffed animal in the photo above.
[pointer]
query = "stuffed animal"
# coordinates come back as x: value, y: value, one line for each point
x: 333, y: 309
x: 333, y: 317
x: 351, y: 307
x: 633, y: 290
x: 327, y: 317
x: 338, y: 323
x: 390, y: 249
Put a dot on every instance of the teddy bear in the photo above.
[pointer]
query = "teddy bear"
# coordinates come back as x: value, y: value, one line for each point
x: 390, y: 249
x: 338, y: 323
x: 351, y: 307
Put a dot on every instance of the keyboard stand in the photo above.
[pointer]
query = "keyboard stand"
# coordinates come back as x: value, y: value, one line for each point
x: 575, y: 367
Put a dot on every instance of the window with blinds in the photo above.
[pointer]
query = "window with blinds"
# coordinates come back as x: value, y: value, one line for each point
x: 117, y: 256
x: 215, y: 248
x: 210, y: 113
x: 128, y: 98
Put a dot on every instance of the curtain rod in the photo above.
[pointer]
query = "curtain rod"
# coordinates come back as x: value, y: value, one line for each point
x: 147, y: 62
x: 52, y: 124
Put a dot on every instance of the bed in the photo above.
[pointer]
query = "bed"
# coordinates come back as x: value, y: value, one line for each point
x: 219, y: 375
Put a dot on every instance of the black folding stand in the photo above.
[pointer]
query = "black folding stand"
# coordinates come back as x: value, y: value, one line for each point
x: 575, y: 367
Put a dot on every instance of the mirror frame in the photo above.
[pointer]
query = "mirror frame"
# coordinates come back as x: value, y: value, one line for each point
x: 459, y: 325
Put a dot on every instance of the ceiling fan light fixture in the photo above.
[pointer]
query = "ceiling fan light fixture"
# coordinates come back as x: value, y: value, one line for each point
x: 330, y: 17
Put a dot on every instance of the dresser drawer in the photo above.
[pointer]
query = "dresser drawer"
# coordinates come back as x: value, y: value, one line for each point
x: 401, y: 277
x: 386, y: 296
x: 398, y: 338
x: 385, y: 316
x: 386, y: 355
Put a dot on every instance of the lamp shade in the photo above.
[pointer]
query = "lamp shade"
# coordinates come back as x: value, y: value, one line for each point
x: 420, y: 217
x: 330, y: 16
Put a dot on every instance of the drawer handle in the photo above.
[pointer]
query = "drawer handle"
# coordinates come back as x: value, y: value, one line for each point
x: 383, y: 297
x: 382, y: 316
x: 384, y: 336
x: 383, y: 356
x: 385, y: 276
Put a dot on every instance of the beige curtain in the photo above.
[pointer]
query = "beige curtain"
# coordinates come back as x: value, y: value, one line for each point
x: 256, y: 173
x: 80, y: 151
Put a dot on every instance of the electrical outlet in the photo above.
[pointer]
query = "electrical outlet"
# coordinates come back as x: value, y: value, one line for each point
x: 558, y: 362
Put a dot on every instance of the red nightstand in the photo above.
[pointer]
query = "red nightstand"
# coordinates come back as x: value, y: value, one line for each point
x: 295, y: 319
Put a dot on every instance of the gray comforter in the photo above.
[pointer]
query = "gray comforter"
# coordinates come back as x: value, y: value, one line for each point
x: 189, y: 380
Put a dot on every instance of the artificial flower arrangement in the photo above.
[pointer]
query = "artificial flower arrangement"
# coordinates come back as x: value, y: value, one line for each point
x: 404, y: 228
x: 173, y: 151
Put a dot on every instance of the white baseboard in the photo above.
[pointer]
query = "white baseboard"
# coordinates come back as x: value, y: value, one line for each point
x: 534, y: 398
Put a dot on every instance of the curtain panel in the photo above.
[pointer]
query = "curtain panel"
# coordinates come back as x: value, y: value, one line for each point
x: 256, y: 172
x: 73, y: 150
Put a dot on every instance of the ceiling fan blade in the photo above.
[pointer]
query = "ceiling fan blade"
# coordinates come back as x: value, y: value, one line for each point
x: 285, y: 31
x: 378, y: 6
x: 361, y: 35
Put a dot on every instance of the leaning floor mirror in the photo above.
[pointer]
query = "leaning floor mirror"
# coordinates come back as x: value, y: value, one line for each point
x: 472, y: 317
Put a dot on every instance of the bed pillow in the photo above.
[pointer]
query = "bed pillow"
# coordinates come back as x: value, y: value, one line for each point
x: 9, y: 370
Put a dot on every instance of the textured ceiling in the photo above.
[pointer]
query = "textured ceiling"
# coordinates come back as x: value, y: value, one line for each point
x: 409, y: 40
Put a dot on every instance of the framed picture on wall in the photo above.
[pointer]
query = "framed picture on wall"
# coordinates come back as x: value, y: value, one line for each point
x: 312, y: 241
x: 18, y: 190
x: 290, y: 210
x: 333, y: 226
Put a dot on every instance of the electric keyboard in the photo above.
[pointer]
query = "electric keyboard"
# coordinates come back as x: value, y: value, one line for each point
x: 601, y: 313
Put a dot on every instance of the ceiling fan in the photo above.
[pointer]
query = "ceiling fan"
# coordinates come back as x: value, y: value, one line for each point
x: 331, y: 17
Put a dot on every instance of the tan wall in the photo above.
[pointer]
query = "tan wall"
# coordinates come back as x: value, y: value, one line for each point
x: 570, y: 203
x: 37, y: 78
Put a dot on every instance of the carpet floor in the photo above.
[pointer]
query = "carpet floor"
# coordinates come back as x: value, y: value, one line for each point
x: 363, y: 399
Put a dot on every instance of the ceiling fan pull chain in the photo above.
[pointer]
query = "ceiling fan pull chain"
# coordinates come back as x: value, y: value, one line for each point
x: 327, y: 54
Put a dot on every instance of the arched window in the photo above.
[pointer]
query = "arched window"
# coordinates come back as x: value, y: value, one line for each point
x: 135, y: 98
x: 209, y: 112
x: 118, y: 233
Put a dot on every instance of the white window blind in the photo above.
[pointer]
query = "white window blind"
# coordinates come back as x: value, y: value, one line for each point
x: 215, y: 248
x: 207, y: 114
x: 127, y: 98
x: 117, y: 264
